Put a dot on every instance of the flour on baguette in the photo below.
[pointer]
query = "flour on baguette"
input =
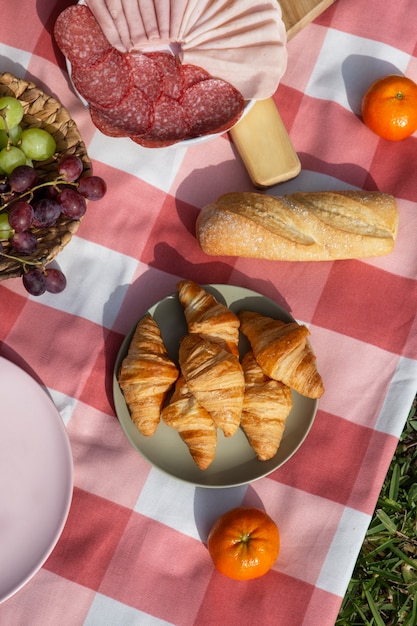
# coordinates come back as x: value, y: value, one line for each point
x: 304, y: 226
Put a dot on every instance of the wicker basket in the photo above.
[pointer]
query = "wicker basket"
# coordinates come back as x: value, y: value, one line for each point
x: 43, y: 111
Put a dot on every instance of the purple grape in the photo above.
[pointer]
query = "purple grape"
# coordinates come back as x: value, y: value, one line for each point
x: 22, y: 178
x: 24, y: 242
x: 72, y: 204
x: 52, y: 191
x: 45, y: 212
x: 20, y: 216
x: 34, y: 282
x: 4, y: 185
x: 92, y: 187
x: 55, y: 280
x: 70, y: 167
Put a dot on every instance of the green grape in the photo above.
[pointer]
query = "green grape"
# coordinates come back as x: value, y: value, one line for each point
x: 15, y: 134
x: 5, y: 229
x: 12, y: 135
x: 10, y: 158
x: 4, y: 139
x: 11, y: 112
x: 37, y: 144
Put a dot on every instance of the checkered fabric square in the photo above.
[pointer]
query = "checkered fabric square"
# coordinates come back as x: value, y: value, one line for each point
x: 133, y: 549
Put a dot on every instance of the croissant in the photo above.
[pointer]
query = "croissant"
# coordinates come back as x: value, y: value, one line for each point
x: 146, y: 375
x: 284, y: 352
x: 216, y: 379
x: 266, y: 406
x: 193, y: 423
x: 208, y: 317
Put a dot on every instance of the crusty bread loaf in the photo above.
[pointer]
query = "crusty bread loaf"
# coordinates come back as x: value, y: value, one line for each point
x: 315, y: 226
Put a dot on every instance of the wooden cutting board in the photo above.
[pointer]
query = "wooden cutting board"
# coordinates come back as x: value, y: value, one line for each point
x: 261, y: 137
x: 298, y: 13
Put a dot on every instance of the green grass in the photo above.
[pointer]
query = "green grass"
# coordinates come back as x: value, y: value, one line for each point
x: 383, y: 587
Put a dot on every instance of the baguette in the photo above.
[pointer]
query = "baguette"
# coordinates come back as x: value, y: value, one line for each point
x: 304, y: 226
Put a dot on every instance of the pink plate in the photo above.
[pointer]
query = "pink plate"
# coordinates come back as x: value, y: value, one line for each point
x: 35, y: 477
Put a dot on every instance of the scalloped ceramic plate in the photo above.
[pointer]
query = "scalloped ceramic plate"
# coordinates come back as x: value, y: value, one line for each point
x: 235, y: 462
x: 36, y: 477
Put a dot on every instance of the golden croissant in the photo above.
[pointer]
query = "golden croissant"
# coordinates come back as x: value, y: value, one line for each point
x: 284, y: 352
x: 193, y: 423
x: 208, y: 317
x: 146, y: 375
x: 266, y: 406
x: 215, y: 377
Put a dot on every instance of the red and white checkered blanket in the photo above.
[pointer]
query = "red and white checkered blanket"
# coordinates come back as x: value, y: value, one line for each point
x: 132, y: 551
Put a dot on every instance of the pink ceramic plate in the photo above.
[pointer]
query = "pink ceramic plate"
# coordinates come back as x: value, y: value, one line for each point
x: 35, y: 477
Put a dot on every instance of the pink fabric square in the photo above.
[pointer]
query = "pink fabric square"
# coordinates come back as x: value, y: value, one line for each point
x: 350, y: 391
x: 262, y: 277
x: 410, y: 350
x: 14, y: 25
x: 98, y: 385
x: 359, y: 287
x: 147, y: 287
x: 326, y: 17
x: 382, y: 176
x: 45, y: 46
x: 334, y: 449
x: 98, y: 439
x: 48, y: 599
x: 158, y: 557
x: 243, y: 602
x: 112, y: 222
x: 301, y: 65
x: 59, y: 369
x: 372, y: 472
x: 340, y: 157
x: 379, y: 28
x: 12, y: 305
x: 173, y: 248
x: 314, y: 612
x: 198, y: 185
x: 94, y: 528
x: 288, y: 101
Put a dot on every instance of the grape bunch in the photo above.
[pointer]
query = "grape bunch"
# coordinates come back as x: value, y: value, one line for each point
x: 29, y: 204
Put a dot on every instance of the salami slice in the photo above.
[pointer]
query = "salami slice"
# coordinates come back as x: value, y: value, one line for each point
x: 106, y: 83
x: 153, y: 143
x: 146, y: 75
x: 192, y: 74
x: 170, y: 68
x: 170, y: 123
x: 133, y: 115
x: 79, y: 36
x: 212, y: 106
x: 105, y: 125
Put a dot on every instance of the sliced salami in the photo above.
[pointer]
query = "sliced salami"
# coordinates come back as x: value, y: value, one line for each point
x: 212, y: 106
x: 192, y: 74
x: 153, y: 143
x: 133, y: 115
x: 104, y: 125
x: 105, y: 84
x: 146, y: 75
x: 170, y: 68
x: 170, y: 123
x: 79, y: 36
